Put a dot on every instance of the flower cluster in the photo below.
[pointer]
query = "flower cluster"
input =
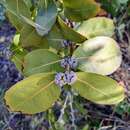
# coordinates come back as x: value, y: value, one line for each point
x: 15, y: 121
x: 2, y: 13
x: 60, y: 79
x: 70, y: 62
x: 7, y: 33
x: 5, y: 51
x: 69, y: 77
x: 9, y: 75
x: 70, y: 23
x: 66, y: 43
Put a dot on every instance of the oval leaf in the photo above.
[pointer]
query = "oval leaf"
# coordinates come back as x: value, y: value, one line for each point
x: 17, y: 58
x: 80, y: 10
x: 46, y: 18
x: 98, y: 88
x: 15, y: 9
x: 98, y: 26
x: 30, y: 38
x: 40, y: 61
x: 32, y: 96
x: 100, y: 55
x: 69, y: 33
x: 60, y: 32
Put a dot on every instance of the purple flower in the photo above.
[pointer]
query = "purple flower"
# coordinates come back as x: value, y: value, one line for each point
x: 7, y: 33
x: 72, y: 62
x: 5, y: 51
x: 64, y: 62
x: 66, y: 43
x: 18, y: 121
x: 70, y: 77
x: 69, y: 62
x: 9, y: 75
x: 70, y: 23
x: 59, y: 79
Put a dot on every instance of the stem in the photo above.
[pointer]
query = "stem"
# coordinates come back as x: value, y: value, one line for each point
x: 71, y: 49
x: 60, y: 119
x: 72, y: 110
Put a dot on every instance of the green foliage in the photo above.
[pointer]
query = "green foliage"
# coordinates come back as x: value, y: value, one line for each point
x: 30, y: 38
x: 16, y: 8
x: 41, y: 29
x: 59, y: 32
x: 28, y: 3
x: 98, y: 26
x: 129, y: 10
x: 46, y: 18
x: 18, y: 57
x: 73, y: 35
x: 113, y: 6
x: 123, y: 108
x: 98, y: 89
x: 32, y: 96
x: 80, y: 10
x: 38, y: 92
x: 99, y: 55
x: 18, y: 53
x: 41, y: 60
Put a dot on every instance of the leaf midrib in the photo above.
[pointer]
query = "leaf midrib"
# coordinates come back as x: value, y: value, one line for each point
x: 88, y: 84
x: 35, y: 94
x: 42, y: 66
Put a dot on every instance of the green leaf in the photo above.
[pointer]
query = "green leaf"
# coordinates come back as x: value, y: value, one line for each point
x: 98, y: 26
x: 69, y: 33
x: 55, y: 37
x: 18, y: 57
x: 80, y: 10
x: 60, y: 32
x: 32, y: 96
x: 30, y: 38
x: 43, y: 3
x: 46, y: 18
x: 15, y: 9
x: 40, y: 61
x: 100, y: 55
x: 98, y: 88
x: 16, y: 39
x: 128, y: 10
x: 28, y: 3
x: 113, y: 7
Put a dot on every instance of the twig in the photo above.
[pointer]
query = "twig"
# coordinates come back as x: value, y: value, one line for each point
x: 72, y: 110
x: 60, y: 119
